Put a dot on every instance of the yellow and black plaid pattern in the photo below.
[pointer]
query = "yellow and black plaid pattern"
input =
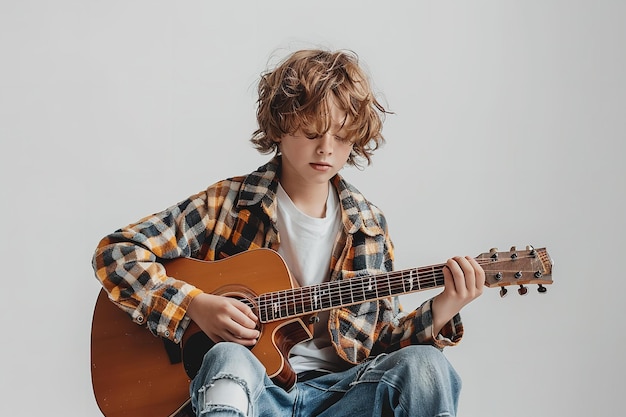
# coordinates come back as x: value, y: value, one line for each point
x: 238, y: 214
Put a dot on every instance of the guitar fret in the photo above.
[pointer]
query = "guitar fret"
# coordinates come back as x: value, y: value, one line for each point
x: 363, y: 286
x: 383, y: 290
x: 357, y: 295
x: 309, y: 300
x: 298, y: 305
x: 276, y: 306
x: 292, y: 303
x: 351, y: 293
x: 282, y: 310
x: 338, y: 291
x: 306, y: 299
x: 370, y: 291
x: 259, y: 312
x: 283, y: 304
x: 425, y: 276
x: 287, y: 303
x: 266, y: 306
x: 404, y: 282
x: 326, y: 296
x: 417, y: 276
x: 317, y: 296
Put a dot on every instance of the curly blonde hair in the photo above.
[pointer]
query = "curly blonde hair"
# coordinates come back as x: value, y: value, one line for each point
x: 297, y: 94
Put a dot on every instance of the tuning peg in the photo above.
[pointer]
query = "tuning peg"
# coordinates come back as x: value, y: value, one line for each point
x: 494, y: 253
x: 503, y: 292
x: 513, y: 248
x: 522, y: 290
x: 542, y: 289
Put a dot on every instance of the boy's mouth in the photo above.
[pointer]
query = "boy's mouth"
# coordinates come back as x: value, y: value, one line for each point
x: 320, y: 166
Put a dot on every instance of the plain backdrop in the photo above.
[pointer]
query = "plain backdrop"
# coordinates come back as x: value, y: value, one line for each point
x: 508, y: 129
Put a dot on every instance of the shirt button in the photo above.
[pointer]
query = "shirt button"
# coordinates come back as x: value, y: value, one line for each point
x: 139, y: 319
x: 167, y: 333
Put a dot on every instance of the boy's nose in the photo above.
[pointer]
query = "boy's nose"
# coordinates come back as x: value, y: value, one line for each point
x: 325, y: 144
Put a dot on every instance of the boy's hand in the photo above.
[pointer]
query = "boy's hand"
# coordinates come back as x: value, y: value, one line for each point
x: 224, y: 319
x: 464, y: 280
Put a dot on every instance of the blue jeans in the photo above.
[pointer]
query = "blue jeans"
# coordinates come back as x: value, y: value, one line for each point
x: 415, y: 381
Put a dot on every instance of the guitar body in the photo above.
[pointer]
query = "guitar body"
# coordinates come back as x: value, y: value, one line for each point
x: 137, y: 374
x: 132, y: 372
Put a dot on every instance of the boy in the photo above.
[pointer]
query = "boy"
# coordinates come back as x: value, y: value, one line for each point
x: 316, y: 112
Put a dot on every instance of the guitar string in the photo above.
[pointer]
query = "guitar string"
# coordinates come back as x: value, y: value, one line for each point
x: 278, y: 304
x: 298, y: 300
x: 424, y: 275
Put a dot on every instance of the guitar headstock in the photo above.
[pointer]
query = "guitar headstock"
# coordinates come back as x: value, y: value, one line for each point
x: 517, y: 267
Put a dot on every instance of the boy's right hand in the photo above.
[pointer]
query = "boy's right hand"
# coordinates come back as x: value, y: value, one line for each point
x: 224, y: 319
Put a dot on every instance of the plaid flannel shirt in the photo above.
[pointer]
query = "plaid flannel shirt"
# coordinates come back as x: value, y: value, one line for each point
x: 239, y: 214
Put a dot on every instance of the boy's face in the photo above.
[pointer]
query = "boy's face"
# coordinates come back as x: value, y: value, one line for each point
x: 309, y: 159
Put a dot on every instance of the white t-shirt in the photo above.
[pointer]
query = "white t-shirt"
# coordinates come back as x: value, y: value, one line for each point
x: 306, y: 244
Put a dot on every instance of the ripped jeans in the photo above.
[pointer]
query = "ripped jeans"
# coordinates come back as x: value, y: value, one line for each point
x: 415, y: 381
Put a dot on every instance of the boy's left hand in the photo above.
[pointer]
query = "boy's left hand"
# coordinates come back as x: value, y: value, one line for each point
x: 464, y: 280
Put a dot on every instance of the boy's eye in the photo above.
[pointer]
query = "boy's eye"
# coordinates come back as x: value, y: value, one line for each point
x: 314, y: 135
x: 344, y: 140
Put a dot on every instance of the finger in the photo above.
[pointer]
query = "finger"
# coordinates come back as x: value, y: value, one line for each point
x: 246, y: 310
x: 479, y: 273
x: 448, y: 281
x: 458, y: 279
x: 243, y: 315
x: 242, y: 326
x: 241, y: 333
x: 469, y: 276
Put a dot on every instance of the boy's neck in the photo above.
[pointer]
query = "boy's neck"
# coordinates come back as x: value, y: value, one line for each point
x: 311, y: 200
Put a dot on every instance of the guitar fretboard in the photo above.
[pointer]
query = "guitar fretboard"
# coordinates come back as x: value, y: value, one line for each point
x: 294, y: 302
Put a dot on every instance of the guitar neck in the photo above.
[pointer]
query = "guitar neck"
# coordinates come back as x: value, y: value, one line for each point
x: 294, y: 302
x: 515, y: 267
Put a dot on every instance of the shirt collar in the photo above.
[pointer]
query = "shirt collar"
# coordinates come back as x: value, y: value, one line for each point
x: 260, y: 187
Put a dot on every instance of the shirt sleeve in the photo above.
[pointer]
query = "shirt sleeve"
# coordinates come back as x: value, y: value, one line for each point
x: 129, y: 264
x: 416, y: 328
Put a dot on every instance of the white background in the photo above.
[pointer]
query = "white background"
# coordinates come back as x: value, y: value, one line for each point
x: 508, y: 130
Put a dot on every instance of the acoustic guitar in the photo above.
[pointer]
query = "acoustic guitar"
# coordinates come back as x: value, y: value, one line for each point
x: 137, y: 374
